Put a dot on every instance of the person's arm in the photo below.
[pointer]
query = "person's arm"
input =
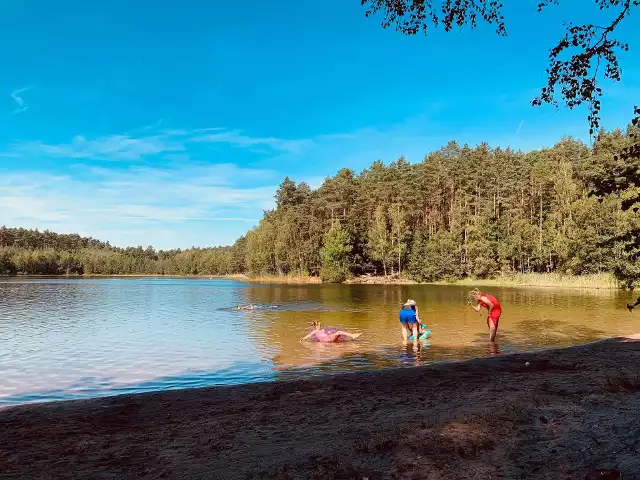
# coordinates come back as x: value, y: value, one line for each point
x: 477, y: 307
x: 304, y: 338
x: 488, y: 303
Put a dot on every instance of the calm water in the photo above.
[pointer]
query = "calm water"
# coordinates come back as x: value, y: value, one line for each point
x: 63, y: 339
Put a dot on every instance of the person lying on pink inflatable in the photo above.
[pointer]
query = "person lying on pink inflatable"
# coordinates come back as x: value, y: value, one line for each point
x: 328, y: 335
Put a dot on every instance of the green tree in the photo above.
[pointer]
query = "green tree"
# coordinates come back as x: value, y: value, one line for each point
x: 260, y: 251
x: 399, y: 234
x: 418, y: 260
x: 7, y: 265
x: 436, y: 258
x: 480, y: 248
x: 238, y: 254
x: 335, y: 254
x: 379, y: 243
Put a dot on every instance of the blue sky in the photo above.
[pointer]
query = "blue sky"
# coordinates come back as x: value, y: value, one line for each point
x: 172, y: 123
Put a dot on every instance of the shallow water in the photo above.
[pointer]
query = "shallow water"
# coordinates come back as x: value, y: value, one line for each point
x: 79, y: 338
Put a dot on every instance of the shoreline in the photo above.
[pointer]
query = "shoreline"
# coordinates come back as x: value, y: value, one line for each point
x: 584, y: 282
x: 556, y: 413
x: 596, y: 282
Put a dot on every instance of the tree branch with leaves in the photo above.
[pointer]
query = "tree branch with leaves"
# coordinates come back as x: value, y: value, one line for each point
x: 586, y: 52
x: 579, y: 58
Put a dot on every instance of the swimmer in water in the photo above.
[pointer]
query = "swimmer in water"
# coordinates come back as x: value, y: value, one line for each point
x: 493, y: 307
x: 328, y: 335
x: 253, y: 307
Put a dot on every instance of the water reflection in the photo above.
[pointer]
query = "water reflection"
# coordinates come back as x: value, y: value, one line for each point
x: 91, y: 387
x: 69, y: 338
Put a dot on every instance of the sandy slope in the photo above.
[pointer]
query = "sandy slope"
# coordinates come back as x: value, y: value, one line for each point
x: 486, y: 418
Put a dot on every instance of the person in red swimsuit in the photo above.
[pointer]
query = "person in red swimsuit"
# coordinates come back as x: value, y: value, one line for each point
x: 493, y: 307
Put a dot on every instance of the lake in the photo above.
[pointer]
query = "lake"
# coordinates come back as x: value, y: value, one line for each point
x: 77, y: 338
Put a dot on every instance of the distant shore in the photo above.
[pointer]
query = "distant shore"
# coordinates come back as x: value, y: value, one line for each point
x: 551, y: 280
x: 565, y: 413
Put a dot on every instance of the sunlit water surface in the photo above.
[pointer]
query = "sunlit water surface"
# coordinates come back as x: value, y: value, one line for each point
x: 78, y: 338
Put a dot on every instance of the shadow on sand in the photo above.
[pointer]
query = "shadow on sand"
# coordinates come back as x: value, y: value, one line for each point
x: 565, y: 413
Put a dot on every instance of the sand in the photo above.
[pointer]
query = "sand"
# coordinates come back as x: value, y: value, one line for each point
x: 567, y: 413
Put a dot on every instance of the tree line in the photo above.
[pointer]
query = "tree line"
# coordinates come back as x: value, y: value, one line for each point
x: 31, y: 252
x: 462, y: 212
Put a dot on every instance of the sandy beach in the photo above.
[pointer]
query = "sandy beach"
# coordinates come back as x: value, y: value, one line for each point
x: 569, y: 413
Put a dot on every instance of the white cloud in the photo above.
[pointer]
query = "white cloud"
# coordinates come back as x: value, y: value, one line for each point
x: 128, y: 206
x: 111, y: 147
x: 239, y: 139
x: 19, y: 100
x: 130, y: 147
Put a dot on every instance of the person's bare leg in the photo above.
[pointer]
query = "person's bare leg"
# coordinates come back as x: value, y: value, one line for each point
x: 405, y: 333
x: 352, y: 336
x: 492, y: 331
x: 416, y: 330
